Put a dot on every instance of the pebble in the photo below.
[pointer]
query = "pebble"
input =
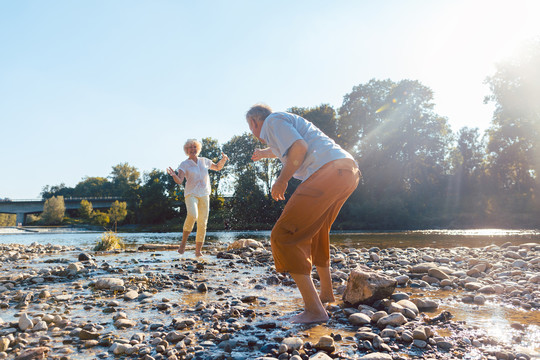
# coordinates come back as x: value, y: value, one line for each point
x: 231, y: 323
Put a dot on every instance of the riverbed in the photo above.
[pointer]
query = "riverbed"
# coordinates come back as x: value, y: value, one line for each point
x: 496, y: 318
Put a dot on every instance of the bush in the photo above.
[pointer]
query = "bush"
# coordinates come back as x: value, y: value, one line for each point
x: 86, y: 210
x: 101, y: 219
x: 32, y: 219
x: 8, y: 220
x: 53, y: 211
x: 109, y: 241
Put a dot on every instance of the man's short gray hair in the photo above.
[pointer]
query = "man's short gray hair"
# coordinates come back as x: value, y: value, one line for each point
x: 258, y: 112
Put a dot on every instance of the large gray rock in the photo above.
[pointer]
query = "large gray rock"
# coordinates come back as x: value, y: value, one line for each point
x: 407, y: 304
x: 321, y: 355
x: 25, y: 322
x: 359, y: 319
x: 425, y: 304
x: 124, y: 323
x: 395, y: 319
x: 376, y: 356
x: 326, y: 343
x: 34, y: 353
x: 4, y: 343
x: 293, y: 343
x: 365, y: 287
x: 108, y: 283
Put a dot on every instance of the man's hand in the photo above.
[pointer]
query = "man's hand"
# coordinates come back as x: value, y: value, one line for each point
x: 278, y: 190
x: 258, y: 154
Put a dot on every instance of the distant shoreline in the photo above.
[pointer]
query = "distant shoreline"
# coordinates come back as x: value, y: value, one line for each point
x: 9, y: 230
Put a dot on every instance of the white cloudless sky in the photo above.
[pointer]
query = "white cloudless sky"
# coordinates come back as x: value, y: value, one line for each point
x: 85, y: 86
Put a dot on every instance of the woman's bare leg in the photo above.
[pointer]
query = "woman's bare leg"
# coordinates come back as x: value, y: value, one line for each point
x: 182, y: 247
x: 198, y: 248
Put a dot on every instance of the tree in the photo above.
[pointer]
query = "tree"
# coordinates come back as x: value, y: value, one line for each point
x: 240, y: 149
x: 247, y: 207
x: 93, y: 187
x: 53, y: 210
x: 212, y: 151
x: 117, y: 212
x: 514, y: 149
x: 401, y: 146
x: 126, y: 184
x: 125, y: 179
x: 156, y: 204
x: 470, y: 150
x: 467, y: 162
x: 322, y: 116
x: 86, y: 210
x: 513, y: 146
x: 56, y: 190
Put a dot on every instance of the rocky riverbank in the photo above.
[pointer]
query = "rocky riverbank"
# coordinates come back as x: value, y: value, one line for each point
x: 61, y: 302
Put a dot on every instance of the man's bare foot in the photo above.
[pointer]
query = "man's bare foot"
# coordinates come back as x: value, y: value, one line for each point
x: 308, y: 318
x: 198, y: 254
x: 182, y: 248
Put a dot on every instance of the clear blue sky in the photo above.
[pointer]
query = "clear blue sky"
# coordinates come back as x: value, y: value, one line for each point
x: 86, y: 85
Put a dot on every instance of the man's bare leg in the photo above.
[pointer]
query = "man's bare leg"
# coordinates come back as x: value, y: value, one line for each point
x: 325, y: 277
x: 198, y: 248
x: 313, y: 308
x: 182, y: 247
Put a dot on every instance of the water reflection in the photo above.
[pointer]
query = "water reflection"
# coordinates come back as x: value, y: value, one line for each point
x: 497, y: 320
x: 358, y: 239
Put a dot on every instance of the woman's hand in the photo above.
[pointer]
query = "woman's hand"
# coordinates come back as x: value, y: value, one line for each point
x: 224, y: 156
x: 171, y: 172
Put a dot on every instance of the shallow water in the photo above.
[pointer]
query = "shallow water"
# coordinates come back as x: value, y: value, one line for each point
x: 362, y: 239
x: 494, y: 318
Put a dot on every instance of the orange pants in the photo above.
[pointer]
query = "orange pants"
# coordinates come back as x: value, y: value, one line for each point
x: 301, y: 236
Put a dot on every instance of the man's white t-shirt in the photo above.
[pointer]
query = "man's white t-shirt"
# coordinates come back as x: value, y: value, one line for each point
x: 281, y: 129
x: 197, y: 179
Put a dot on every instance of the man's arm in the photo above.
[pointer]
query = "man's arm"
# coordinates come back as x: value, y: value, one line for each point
x: 295, y: 157
x: 260, y: 154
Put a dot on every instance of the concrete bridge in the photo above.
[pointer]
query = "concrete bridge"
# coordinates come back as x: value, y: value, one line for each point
x: 34, y: 206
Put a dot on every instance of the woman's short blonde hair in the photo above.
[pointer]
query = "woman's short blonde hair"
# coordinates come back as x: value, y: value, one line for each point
x: 258, y: 112
x: 195, y: 142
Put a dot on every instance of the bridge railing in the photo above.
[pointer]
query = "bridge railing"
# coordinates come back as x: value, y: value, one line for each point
x: 67, y: 199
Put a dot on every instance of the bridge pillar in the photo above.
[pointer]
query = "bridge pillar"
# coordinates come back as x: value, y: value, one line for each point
x: 20, y: 219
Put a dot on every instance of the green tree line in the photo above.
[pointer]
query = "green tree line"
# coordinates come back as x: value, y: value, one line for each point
x: 417, y: 173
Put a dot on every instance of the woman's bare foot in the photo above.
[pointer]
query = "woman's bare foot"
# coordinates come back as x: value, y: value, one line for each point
x: 182, y: 248
x: 308, y: 318
x: 198, y: 248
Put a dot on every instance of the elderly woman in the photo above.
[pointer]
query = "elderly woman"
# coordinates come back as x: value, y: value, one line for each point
x: 196, y: 191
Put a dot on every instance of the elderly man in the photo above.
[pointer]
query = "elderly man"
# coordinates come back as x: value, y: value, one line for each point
x: 301, y: 236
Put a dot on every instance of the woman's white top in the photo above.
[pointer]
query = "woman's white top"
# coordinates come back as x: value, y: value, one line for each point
x: 197, y: 179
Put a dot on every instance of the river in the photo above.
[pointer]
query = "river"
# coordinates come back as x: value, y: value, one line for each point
x: 354, y: 239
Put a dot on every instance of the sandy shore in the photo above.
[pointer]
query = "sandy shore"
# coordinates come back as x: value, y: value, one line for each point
x: 10, y: 230
x: 62, y: 303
